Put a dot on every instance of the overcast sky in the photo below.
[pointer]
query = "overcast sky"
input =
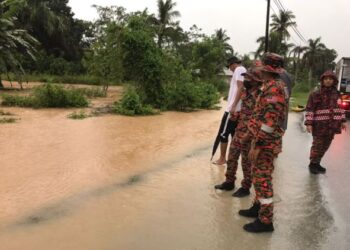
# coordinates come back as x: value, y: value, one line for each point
x: 244, y: 21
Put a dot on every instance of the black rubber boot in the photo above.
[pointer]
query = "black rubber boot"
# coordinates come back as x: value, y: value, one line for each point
x: 252, y: 212
x: 227, y: 186
x: 321, y: 169
x: 241, y: 192
x: 313, y: 167
x: 258, y: 227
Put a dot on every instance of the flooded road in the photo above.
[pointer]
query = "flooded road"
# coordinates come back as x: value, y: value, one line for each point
x: 115, y: 182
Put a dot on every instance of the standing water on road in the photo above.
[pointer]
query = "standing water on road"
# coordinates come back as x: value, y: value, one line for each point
x: 115, y: 182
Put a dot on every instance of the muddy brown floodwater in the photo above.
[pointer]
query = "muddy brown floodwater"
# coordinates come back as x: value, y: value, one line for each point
x: 115, y: 182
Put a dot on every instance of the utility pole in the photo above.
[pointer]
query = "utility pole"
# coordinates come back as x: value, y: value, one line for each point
x: 267, y: 26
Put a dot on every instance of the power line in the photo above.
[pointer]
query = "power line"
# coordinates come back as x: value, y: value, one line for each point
x: 273, y: 10
x: 280, y: 9
x: 293, y: 26
x: 281, y: 5
x: 278, y: 4
x: 297, y: 32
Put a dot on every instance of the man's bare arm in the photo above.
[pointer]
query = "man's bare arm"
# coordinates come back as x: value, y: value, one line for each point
x: 238, y: 96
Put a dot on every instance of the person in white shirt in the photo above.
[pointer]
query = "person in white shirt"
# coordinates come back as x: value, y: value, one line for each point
x: 229, y: 119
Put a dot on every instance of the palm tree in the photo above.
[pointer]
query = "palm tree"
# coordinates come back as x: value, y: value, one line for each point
x: 296, y: 51
x: 312, y: 55
x: 275, y: 45
x: 41, y: 15
x: 14, y: 43
x: 50, y: 25
x: 166, y: 13
x: 221, y: 36
x: 327, y: 60
x: 281, y: 23
x: 258, y: 53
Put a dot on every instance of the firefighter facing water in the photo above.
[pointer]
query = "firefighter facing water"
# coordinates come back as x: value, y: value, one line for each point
x: 252, y: 82
x: 266, y: 128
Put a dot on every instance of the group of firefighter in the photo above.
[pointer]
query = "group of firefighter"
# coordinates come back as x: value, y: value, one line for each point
x: 259, y: 124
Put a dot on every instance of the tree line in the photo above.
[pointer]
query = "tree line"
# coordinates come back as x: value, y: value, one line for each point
x: 305, y: 62
x: 168, y: 67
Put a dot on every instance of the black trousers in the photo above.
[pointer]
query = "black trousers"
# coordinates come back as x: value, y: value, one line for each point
x: 227, y: 128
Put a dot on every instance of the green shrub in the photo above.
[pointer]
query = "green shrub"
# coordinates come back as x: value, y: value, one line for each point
x: 53, y: 65
x: 54, y: 96
x: 299, y: 98
x: 301, y: 87
x: 75, y: 79
x: 48, y: 96
x: 17, y: 101
x: 190, y: 96
x: 221, y: 85
x: 208, y: 95
x: 131, y: 105
x: 183, y: 97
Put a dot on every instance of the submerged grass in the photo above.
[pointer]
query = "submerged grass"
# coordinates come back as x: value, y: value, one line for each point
x: 7, y: 120
x: 78, y: 115
x: 5, y: 113
x: 299, y: 98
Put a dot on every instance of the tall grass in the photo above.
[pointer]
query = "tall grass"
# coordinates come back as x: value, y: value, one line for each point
x: 48, y: 96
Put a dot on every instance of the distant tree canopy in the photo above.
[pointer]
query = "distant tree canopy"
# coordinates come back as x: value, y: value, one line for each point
x: 151, y: 50
x: 51, y: 22
x: 170, y: 68
x: 60, y: 43
x: 305, y: 62
x: 15, y: 43
x: 154, y: 53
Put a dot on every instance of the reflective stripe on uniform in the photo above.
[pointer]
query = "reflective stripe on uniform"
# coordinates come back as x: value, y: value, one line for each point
x: 328, y: 111
x: 267, y: 129
x: 326, y: 118
x: 266, y: 201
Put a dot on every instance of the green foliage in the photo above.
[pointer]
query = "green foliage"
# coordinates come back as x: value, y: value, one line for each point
x: 183, y: 97
x: 191, y: 96
x: 302, y: 87
x: 208, y: 94
x: 169, y: 67
x: 48, y: 96
x: 209, y: 57
x: 54, y: 96
x: 143, y: 61
x: 52, y: 23
x: 221, y: 85
x: 309, y: 61
x: 52, y: 65
x: 15, y: 43
x: 299, y: 98
x: 164, y: 22
x: 105, y: 60
x: 17, y: 101
x: 131, y: 105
